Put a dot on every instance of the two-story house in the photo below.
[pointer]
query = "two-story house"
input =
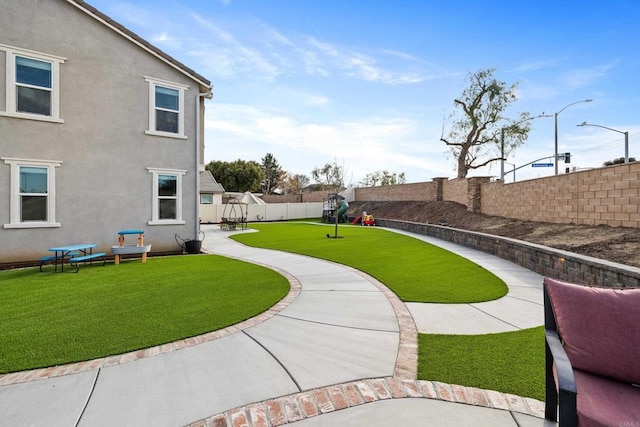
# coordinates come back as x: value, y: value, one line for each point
x: 99, y: 131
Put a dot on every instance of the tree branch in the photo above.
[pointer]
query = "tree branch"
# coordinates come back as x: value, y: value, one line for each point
x: 457, y: 144
x: 484, y: 163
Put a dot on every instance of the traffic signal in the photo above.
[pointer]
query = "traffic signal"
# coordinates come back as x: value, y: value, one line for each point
x: 566, y: 170
x: 567, y: 157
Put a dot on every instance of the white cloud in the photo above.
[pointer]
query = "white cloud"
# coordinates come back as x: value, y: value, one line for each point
x: 257, y: 51
x: 236, y: 59
x: 398, y: 54
x: 364, y: 145
x: 316, y: 100
x: 167, y: 40
x: 579, y: 78
x: 323, y: 47
x: 356, y: 64
x: 534, y: 66
x: 365, y: 68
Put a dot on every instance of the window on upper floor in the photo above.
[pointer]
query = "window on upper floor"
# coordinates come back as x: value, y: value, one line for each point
x: 166, y: 108
x: 167, y: 196
x: 32, y: 193
x: 32, y: 84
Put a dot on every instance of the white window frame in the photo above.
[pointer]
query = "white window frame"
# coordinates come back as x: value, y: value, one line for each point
x: 155, y: 199
x: 14, y: 208
x: 153, y: 83
x: 11, y: 85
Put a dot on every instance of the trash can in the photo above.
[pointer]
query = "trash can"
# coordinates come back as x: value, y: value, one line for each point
x: 193, y: 246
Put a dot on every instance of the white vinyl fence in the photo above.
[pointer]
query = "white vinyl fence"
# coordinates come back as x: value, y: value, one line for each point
x: 268, y: 212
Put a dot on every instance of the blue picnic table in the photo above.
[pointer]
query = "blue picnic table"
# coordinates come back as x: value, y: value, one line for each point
x: 74, y: 254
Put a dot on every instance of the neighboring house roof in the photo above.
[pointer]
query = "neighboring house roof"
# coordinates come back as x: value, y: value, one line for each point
x: 208, y: 183
x: 119, y: 28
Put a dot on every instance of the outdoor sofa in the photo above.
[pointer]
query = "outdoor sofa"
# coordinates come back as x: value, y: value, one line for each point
x: 592, y: 355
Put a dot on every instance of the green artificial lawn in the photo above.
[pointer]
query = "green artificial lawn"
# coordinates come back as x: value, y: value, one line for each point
x: 416, y: 271
x: 53, y: 318
x: 510, y: 362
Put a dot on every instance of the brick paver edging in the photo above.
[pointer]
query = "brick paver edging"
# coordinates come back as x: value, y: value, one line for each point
x: 90, y: 365
x: 407, y: 360
x: 308, y: 404
x: 403, y: 384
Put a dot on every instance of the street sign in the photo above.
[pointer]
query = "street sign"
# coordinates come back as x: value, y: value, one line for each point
x: 541, y: 165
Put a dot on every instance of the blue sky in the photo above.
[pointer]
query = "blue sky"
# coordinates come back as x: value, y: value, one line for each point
x: 369, y: 84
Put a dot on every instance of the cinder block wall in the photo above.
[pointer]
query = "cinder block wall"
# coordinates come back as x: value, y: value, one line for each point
x: 421, y: 191
x: 456, y: 190
x: 608, y: 195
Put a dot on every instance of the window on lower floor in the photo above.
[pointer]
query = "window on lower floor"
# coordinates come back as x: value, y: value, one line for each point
x: 167, y: 196
x: 206, y: 199
x: 32, y: 193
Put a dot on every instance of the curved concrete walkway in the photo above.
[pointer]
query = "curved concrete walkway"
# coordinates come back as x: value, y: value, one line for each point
x: 340, y: 345
x: 521, y: 308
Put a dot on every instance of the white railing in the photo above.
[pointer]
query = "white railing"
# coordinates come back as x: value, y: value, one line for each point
x: 268, y: 212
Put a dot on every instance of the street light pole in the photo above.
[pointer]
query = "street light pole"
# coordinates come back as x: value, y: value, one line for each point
x: 626, y: 138
x: 513, y: 171
x: 555, y: 162
x: 502, y: 159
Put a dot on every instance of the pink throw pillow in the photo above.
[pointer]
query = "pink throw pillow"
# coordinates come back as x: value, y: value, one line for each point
x: 600, y: 328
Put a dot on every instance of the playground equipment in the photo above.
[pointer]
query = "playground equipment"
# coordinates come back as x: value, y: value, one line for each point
x: 364, y: 219
x: 329, y: 207
x: 341, y: 213
x: 233, y: 215
x: 122, y: 249
x: 334, y: 206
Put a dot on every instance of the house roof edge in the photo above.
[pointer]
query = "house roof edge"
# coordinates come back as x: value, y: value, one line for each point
x: 136, y: 39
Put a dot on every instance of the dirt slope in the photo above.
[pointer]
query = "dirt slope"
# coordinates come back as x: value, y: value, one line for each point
x: 619, y: 244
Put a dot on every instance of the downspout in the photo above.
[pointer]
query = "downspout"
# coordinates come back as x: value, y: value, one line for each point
x: 208, y: 95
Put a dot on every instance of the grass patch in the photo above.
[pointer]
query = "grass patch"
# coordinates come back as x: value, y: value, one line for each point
x: 510, y: 362
x: 49, y: 319
x: 414, y: 270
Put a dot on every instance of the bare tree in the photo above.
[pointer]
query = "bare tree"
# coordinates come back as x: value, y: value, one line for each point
x: 294, y: 184
x: 329, y: 176
x: 475, y: 137
x: 383, y: 178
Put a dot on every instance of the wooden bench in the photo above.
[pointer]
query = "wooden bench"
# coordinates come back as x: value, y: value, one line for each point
x: 84, y: 258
